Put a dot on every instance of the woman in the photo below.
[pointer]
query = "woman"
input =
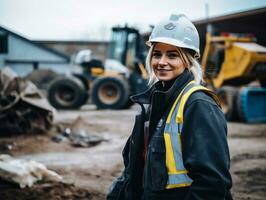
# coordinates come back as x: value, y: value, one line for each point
x: 178, y: 147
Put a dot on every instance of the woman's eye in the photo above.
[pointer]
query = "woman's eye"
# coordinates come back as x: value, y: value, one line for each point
x: 156, y: 55
x: 173, y: 55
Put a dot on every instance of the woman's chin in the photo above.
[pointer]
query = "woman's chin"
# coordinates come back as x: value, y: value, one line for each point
x: 165, y: 78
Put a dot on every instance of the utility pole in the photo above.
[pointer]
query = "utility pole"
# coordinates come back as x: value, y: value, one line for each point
x: 207, y: 11
x: 208, y: 27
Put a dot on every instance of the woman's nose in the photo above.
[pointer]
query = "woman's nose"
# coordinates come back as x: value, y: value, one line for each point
x: 163, y: 60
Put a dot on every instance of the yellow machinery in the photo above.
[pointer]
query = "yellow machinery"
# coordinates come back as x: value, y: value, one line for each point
x: 230, y: 62
x: 108, y: 84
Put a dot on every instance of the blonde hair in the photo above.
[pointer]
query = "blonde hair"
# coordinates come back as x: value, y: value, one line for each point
x: 190, y: 61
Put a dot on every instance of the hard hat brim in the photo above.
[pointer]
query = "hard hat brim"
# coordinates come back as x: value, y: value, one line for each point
x: 174, y: 43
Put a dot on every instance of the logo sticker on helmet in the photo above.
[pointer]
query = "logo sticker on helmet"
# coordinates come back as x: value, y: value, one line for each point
x: 169, y: 26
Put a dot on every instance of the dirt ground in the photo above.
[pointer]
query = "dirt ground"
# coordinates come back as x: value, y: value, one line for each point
x: 87, y: 172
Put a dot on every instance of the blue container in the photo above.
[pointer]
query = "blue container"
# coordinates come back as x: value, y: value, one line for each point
x: 252, y: 102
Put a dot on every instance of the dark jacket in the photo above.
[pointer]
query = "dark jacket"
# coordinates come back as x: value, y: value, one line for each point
x: 204, y: 148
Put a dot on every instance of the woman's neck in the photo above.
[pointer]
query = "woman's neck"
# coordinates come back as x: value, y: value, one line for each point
x: 167, y: 84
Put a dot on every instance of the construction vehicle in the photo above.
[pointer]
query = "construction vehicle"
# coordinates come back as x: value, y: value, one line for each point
x: 235, y: 66
x: 108, y: 84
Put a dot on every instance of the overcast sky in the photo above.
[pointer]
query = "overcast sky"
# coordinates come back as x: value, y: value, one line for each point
x: 92, y: 19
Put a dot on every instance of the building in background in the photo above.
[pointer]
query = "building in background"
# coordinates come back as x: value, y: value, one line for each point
x: 24, y: 55
x: 70, y: 48
x: 246, y: 22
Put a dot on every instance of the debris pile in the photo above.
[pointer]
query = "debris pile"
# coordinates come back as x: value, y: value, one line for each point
x: 22, y: 107
x: 78, y: 133
x: 79, y: 138
x: 25, y: 173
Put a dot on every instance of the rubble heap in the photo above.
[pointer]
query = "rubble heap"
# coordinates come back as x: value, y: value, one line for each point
x: 22, y: 107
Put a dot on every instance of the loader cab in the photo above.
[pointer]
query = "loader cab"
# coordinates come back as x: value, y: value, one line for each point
x: 126, y: 46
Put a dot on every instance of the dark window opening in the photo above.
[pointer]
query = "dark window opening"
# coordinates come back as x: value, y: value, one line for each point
x: 3, y: 43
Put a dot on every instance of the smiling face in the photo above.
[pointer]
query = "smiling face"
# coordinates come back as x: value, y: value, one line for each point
x: 166, y: 62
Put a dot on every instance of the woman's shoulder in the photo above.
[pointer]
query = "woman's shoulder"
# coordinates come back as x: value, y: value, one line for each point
x: 201, y: 96
x: 201, y: 105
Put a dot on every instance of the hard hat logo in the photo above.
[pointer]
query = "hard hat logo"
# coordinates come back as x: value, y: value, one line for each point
x: 169, y: 26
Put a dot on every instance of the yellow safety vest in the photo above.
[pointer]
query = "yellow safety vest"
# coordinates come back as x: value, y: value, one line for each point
x: 177, y: 174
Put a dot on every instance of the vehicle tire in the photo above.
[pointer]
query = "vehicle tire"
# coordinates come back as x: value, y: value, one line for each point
x: 263, y: 82
x: 110, y: 92
x: 240, y: 105
x: 251, y: 104
x: 85, y: 82
x: 227, y: 96
x: 67, y: 93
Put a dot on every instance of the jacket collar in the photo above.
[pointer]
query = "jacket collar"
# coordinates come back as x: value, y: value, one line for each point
x: 172, y: 87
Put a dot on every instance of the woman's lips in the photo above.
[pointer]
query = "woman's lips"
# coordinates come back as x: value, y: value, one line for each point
x: 163, y: 70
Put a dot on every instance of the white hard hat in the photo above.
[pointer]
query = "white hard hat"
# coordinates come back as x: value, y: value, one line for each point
x: 176, y: 30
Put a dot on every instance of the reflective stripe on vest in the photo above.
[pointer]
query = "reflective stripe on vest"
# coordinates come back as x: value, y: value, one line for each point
x: 177, y: 174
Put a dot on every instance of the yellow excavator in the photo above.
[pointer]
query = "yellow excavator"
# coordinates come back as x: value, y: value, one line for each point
x: 235, y: 66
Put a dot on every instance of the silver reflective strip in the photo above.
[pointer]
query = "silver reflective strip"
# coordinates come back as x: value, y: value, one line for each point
x: 180, y: 126
x: 171, y: 128
x: 178, y: 179
x: 177, y: 153
x: 174, y: 129
x: 173, y: 117
x: 176, y: 149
